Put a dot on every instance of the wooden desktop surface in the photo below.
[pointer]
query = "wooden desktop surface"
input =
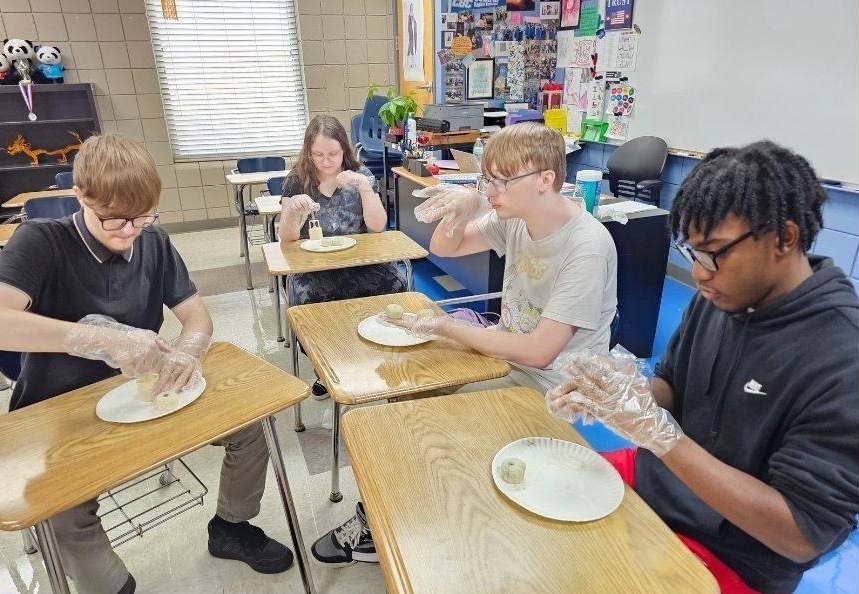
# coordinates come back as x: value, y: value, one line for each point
x: 441, y: 526
x: 57, y: 453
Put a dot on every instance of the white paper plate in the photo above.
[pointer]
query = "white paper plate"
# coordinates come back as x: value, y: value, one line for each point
x: 563, y: 480
x: 121, y: 405
x: 420, y: 193
x: 375, y: 330
x: 315, y: 245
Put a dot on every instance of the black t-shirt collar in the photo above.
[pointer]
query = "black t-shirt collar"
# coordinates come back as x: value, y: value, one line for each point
x: 95, y: 247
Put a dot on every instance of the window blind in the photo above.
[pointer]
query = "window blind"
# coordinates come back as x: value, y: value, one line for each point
x: 230, y: 76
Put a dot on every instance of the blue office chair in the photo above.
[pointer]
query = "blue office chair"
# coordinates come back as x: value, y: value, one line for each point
x: 356, y: 130
x: 372, y: 131
x: 55, y: 207
x: 633, y: 170
x: 10, y: 365
x: 64, y: 180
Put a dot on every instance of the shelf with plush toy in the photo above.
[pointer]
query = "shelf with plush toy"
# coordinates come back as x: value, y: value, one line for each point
x: 42, y: 122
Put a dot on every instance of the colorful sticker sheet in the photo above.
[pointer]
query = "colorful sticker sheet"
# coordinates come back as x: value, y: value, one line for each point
x: 621, y: 99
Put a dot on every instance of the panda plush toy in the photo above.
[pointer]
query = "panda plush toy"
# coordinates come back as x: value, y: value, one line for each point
x: 7, y: 73
x: 50, y: 65
x: 21, y: 53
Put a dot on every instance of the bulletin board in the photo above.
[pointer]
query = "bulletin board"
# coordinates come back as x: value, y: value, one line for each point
x: 714, y: 74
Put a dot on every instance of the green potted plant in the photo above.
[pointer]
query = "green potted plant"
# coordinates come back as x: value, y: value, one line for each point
x: 396, y: 109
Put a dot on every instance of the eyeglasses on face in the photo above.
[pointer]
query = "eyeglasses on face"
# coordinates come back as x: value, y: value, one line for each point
x: 117, y: 223
x: 333, y: 156
x: 708, y: 259
x: 498, y: 185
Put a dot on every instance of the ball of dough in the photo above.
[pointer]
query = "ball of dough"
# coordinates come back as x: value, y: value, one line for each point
x: 145, y: 383
x: 426, y: 313
x: 336, y: 241
x: 512, y: 471
x: 327, y: 242
x: 394, y: 311
x: 167, y: 401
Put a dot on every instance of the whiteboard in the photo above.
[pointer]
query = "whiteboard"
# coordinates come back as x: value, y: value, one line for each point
x: 728, y: 72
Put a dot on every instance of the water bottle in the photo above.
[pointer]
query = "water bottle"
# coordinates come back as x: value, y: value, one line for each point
x: 479, y: 145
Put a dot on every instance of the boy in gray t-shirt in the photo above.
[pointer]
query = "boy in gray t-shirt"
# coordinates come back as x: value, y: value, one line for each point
x: 560, y: 277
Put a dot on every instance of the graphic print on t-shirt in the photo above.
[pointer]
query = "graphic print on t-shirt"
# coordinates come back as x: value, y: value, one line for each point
x: 518, y: 313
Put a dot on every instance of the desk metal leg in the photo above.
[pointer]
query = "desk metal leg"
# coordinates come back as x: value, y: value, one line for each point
x: 237, y: 191
x: 385, y: 183
x: 336, y: 495
x: 278, y: 315
x: 396, y: 203
x: 269, y: 237
x: 293, y: 344
x: 410, y: 277
x: 240, y: 193
x: 276, y: 456
x: 30, y: 543
x: 51, y: 555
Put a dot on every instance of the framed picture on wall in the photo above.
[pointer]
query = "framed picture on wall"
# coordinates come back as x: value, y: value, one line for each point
x: 447, y: 38
x: 570, y: 13
x: 479, y: 79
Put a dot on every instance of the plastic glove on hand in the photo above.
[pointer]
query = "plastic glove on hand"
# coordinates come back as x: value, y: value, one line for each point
x: 195, y: 344
x: 133, y: 351
x: 453, y: 205
x: 418, y: 326
x: 300, y: 205
x: 352, y: 179
x: 615, y: 392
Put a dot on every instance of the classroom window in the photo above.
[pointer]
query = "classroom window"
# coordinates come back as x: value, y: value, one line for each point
x: 231, y: 79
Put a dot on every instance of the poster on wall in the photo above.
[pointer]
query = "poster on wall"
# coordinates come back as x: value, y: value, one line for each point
x: 413, y: 41
x: 480, y: 80
x: 477, y: 5
x: 575, y: 52
x: 596, y: 97
x: 570, y: 12
x: 618, y: 14
x: 520, y: 5
x: 549, y: 10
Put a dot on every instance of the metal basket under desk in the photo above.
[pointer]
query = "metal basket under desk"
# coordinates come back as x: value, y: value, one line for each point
x: 150, y: 500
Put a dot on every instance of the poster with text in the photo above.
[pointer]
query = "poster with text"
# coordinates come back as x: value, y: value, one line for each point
x: 413, y: 41
x: 618, y: 14
x: 575, y: 52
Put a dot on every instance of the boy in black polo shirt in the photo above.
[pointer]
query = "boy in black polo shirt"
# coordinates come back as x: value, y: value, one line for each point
x: 110, y: 263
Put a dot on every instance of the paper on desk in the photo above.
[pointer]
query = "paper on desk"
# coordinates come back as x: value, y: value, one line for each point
x: 447, y: 164
x: 620, y: 211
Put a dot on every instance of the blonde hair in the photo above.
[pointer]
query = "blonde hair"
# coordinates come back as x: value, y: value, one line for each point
x: 117, y: 174
x: 530, y: 144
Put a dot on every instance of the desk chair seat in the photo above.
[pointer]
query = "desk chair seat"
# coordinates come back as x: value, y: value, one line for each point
x: 633, y: 170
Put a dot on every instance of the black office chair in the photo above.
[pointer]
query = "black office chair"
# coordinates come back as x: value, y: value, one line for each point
x: 634, y: 168
x: 64, y: 180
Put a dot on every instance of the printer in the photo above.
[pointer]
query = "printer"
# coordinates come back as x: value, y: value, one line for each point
x: 462, y: 116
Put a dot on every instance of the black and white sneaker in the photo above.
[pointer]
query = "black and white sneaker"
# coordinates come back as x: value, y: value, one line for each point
x: 348, y: 543
x: 319, y: 391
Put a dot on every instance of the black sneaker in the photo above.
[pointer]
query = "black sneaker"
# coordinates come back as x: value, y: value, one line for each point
x: 319, y: 391
x: 129, y: 587
x: 245, y: 542
x: 347, y: 544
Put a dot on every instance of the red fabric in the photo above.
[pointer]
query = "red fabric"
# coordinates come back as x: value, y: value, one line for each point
x: 728, y: 580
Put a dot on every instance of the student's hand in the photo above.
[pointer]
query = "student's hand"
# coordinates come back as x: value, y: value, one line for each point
x: 353, y: 179
x: 614, y: 392
x: 133, y: 351
x: 195, y: 344
x: 300, y: 205
x: 452, y: 204
x: 419, y: 327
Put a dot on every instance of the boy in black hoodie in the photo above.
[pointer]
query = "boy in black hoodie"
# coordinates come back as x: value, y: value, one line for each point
x: 761, y: 465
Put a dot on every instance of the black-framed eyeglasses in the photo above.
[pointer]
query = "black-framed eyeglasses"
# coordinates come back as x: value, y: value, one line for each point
x: 499, y: 185
x: 707, y: 258
x: 115, y: 224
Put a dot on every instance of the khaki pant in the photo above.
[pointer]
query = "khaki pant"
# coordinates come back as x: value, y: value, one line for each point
x: 85, y: 549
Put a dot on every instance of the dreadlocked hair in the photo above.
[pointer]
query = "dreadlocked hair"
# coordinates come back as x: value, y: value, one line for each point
x: 762, y: 183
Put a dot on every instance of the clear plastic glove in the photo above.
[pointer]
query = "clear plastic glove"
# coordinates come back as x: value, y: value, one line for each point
x: 299, y: 206
x: 453, y: 205
x: 195, y: 344
x: 435, y: 325
x: 353, y: 179
x: 613, y: 390
x: 133, y: 351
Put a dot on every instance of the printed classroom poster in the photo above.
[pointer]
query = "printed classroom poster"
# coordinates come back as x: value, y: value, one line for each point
x: 618, y: 14
x: 575, y: 52
x: 618, y: 128
x: 621, y: 99
x: 413, y: 37
x: 570, y: 13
